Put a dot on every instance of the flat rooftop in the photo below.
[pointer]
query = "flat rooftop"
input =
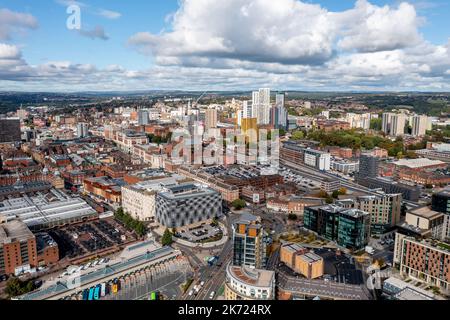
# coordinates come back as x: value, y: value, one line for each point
x: 355, y: 213
x: 425, y: 212
x: 418, y: 163
x: 14, y: 231
x: 184, y: 191
x: 412, y: 294
x: 254, y: 277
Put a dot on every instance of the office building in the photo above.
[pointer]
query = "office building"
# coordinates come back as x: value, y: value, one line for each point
x: 211, y: 119
x: 10, y: 130
x: 318, y: 159
x: 21, y: 250
x: 186, y: 204
x: 426, y: 219
x: 441, y: 203
x: 310, y: 265
x: 424, y: 260
x: 17, y: 247
x: 384, y: 209
x: 302, y: 260
x: 139, y: 200
x: 82, y: 130
x: 349, y: 228
x: 243, y: 283
x: 409, y: 192
x: 249, y: 247
x: 143, y: 117
x: 330, y: 185
x: 368, y: 166
x: 419, y: 126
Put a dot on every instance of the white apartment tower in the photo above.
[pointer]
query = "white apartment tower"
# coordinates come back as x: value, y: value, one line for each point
x: 394, y: 124
x: 261, y: 105
x: 419, y: 125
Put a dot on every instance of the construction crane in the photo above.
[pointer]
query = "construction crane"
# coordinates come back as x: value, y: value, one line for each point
x: 198, y: 100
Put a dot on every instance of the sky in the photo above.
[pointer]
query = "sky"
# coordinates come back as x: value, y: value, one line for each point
x: 311, y: 45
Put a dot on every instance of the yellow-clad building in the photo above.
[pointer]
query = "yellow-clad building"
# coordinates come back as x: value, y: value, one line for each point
x: 309, y: 265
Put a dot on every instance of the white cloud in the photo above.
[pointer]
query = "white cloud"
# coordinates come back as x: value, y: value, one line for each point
x: 369, y: 28
x: 15, y: 22
x: 246, y: 44
x: 287, y: 31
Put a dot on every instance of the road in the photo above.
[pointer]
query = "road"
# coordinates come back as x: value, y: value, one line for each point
x: 321, y: 288
x: 214, y: 276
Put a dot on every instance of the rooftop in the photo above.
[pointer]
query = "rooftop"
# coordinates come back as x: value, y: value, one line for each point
x: 310, y: 257
x: 129, y: 259
x: 293, y: 247
x: 425, y: 212
x: 14, y: 231
x: 411, y: 294
x: 254, y: 277
x: 44, y: 208
x: 418, y: 163
x: 186, y: 190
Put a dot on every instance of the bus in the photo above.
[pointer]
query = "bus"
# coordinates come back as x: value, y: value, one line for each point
x: 85, y: 294
x: 91, y: 294
x: 103, y: 289
x: 116, y: 286
x: 97, y: 292
x: 212, y: 261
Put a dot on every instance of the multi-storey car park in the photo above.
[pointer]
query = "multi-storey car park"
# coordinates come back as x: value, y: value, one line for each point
x: 134, y: 258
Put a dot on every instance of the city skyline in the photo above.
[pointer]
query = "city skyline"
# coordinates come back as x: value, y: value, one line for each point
x: 210, y: 45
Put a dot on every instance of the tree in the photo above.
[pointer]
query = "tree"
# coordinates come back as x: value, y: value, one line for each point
x: 298, y: 135
x: 335, y: 194
x: 238, y: 204
x: 15, y: 287
x: 323, y: 194
x: 375, y: 124
x: 329, y: 200
x: 292, y: 217
x: 167, y: 238
x: 342, y: 191
x: 140, y: 229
